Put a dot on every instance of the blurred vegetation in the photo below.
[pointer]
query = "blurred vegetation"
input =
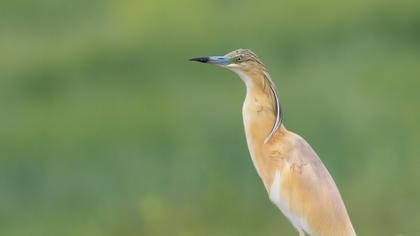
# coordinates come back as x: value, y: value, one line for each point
x: 107, y: 129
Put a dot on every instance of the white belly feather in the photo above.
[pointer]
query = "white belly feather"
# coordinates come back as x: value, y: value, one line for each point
x: 283, y: 203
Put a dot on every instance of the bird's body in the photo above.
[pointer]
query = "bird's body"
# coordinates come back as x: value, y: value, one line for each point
x: 296, y: 180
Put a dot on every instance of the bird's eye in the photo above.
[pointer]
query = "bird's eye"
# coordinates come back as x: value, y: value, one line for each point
x: 238, y: 59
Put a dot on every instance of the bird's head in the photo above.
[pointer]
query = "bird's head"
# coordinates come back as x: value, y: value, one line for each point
x: 253, y: 72
x: 241, y: 60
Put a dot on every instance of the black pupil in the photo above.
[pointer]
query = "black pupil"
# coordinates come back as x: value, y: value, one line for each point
x: 239, y: 58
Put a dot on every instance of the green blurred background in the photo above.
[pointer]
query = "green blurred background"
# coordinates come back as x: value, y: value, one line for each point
x: 107, y: 129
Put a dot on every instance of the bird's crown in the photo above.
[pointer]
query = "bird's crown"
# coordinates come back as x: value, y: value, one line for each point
x: 244, y: 55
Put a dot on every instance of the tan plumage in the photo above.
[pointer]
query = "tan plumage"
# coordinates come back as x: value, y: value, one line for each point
x: 295, y: 178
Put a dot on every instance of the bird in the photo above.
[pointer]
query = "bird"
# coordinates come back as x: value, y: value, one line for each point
x: 296, y: 180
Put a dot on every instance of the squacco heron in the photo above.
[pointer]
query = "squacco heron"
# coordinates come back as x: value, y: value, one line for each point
x: 295, y: 178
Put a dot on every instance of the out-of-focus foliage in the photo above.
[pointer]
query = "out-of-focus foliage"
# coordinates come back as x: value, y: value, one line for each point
x: 107, y: 129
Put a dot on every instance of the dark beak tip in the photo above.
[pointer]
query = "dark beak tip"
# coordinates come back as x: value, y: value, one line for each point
x: 200, y: 59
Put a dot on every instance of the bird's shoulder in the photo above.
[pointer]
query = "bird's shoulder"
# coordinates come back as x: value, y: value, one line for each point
x: 292, y: 149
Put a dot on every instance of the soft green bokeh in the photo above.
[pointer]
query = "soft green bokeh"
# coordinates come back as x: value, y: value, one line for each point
x: 107, y: 129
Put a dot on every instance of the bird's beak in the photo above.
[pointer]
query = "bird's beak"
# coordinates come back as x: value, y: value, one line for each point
x: 217, y: 60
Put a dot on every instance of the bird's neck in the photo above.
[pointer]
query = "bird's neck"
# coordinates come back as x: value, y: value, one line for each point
x: 260, y: 105
x: 259, y: 109
x: 259, y: 115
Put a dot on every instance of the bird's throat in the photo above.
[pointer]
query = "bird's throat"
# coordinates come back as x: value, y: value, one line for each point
x: 259, y: 109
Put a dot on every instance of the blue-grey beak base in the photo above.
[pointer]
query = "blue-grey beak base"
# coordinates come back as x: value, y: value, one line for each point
x: 219, y: 60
